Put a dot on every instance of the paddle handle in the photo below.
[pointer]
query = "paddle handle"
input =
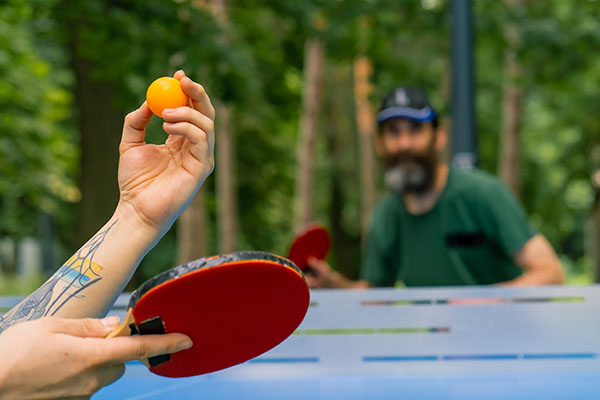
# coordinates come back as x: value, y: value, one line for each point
x: 123, y: 328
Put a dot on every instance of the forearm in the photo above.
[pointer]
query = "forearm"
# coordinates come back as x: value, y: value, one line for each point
x: 339, y: 281
x: 117, y: 249
x: 87, y: 284
x: 535, y: 278
x: 540, y: 264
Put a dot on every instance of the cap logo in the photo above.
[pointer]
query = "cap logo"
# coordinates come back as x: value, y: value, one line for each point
x: 401, y: 98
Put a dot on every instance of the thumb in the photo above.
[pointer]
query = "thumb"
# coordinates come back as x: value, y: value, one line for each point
x: 86, y: 327
x: 319, y: 266
x: 134, y: 129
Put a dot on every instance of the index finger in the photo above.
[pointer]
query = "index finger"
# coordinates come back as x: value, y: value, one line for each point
x: 198, y: 96
x: 129, y: 348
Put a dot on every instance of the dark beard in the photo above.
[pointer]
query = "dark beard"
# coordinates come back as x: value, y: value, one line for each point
x: 410, y: 173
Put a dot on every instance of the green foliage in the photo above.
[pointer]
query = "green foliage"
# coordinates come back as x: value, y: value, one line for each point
x: 559, y: 133
x: 255, y: 64
x: 37, y: 149
x: 19, y: 286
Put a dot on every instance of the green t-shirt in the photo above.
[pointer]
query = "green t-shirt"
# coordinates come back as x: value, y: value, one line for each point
x: 468, y: 238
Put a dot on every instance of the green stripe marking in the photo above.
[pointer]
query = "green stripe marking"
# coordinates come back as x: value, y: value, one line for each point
x: 565, y: 299
x: 408, y: 330
x: 568, y: 299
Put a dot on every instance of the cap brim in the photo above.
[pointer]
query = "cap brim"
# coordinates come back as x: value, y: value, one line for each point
x: 422, y: 115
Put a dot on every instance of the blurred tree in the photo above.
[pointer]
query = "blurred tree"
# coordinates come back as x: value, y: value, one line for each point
x: 365, y: 122
x: 226, y: 194
x: 192, y: 230
x: 258, y: 74
x: 513, y: 94
x: 37, y: 149
x: 311, y: 93
x: 558, y: 129
x: 100, y: 118
x: 339, y: 169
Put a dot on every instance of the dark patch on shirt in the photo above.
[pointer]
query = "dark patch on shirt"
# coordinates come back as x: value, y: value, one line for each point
x: 465, y: 239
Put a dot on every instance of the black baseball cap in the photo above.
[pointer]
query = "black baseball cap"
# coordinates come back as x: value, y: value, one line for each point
x: 406, y: 102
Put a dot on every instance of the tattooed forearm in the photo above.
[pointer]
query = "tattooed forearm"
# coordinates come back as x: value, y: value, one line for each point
x: 77, y: 274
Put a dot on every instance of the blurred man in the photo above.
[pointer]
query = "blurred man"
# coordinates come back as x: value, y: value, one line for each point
x: 439, y: 225
x: 69, y: 358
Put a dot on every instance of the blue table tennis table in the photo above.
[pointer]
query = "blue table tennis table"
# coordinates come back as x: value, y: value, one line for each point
x: 425, y: 343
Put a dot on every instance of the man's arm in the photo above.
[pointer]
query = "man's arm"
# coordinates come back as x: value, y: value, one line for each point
x: 322, y: 276
x: 540, y: 263
x: 156, y: 183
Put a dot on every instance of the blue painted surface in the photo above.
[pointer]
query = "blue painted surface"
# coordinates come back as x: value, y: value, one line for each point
x: 500, y: 343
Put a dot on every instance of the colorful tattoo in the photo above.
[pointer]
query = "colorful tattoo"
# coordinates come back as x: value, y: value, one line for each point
x: 77, y: 274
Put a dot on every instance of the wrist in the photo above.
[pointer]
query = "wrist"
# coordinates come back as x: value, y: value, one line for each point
x: 335, y: 280
x: 130, y: 236
x: 132, y: 219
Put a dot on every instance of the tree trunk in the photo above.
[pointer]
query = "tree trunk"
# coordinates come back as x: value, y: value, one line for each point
x: 513, y: 94
x: 100, y: 126
x: 191, y: 230
x: 365, y: 122
x: 340, y: 141
x: 226, y: 204
x: 592, y: 231
x: 313, y: 70
x: 445, y: 122
x: 595, y: 241
x: 226, y: 196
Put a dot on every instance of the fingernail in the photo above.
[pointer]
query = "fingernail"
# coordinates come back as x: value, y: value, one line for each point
x: 185, y: 78
x: 168, y: 111
x: 186, y: 344
x: 111, y: 322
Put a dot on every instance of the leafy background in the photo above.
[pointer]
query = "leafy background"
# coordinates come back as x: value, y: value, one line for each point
x: 255, y: 64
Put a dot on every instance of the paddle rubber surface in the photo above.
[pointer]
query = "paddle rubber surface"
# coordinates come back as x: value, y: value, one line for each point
x: 234, y: 307
x: 312, y: 241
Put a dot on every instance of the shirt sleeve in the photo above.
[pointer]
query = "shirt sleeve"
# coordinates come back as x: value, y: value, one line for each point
x: 377, y: 268
x: 504, y: 218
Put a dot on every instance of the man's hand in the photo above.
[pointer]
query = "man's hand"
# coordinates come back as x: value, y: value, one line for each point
x: 158, y: 181
x: 318, y: 275
x: 69, y: 358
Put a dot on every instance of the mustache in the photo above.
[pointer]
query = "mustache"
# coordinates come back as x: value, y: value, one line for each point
x: 399, y: 159
x: 409, y: 172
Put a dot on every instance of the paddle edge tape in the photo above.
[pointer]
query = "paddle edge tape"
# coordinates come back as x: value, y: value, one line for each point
x: 208, y: 262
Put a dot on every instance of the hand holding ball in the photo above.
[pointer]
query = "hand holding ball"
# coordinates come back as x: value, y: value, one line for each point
x: 164, y: 93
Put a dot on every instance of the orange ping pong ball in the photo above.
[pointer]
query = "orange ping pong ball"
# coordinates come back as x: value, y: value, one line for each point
x: 165, y: 92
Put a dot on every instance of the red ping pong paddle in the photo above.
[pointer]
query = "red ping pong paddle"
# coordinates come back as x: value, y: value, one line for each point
x: 234, y: 307
x: 311, y: 241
